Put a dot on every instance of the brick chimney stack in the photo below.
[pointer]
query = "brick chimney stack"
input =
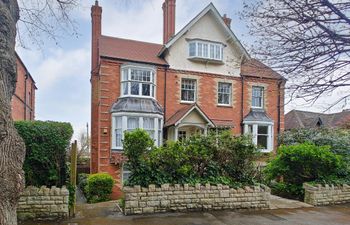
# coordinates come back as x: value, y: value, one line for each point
x: 227, y: 20
x: 96, y: 12
x: 168, y: 20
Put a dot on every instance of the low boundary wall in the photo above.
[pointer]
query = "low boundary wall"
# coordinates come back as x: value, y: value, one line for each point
x: 43, y: 203
x: 326, y: 195
x: 181, y: 198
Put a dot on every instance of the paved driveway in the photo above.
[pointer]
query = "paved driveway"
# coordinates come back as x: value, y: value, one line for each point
x: 332, y: 215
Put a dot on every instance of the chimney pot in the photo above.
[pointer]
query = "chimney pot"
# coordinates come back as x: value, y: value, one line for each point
x: 227, y: 20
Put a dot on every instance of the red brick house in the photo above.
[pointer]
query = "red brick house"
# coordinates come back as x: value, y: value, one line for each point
x: 23, y: 101
x: 200, y: 78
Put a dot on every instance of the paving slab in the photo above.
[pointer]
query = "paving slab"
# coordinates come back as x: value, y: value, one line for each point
x: 277, y: 202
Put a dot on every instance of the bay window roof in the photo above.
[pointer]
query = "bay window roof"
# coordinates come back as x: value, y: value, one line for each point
x: 138, y: 105
x: 257, y: 115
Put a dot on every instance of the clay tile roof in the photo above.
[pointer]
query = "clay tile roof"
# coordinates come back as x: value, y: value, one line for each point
x: 255, y: 68
x: 223, y: 123
x: 126, y: 49
x: 178, y: 115
x: 303, y: 119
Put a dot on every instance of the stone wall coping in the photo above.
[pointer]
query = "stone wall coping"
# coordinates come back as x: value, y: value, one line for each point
x: 186, y: 187
x: 320, y: 187
x: 44, y: 190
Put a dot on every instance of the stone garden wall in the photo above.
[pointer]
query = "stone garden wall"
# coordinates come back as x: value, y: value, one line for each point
x: 180, y: 198
x: 326, y: 195
x: 43, y: 203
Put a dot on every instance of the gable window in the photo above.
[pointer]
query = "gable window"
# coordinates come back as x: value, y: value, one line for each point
x: 257, y: 97
x: 137, y: 81
x: 261, y: 134
x: 206, y: 50
x: 188, y: 90
x: 224, y: 93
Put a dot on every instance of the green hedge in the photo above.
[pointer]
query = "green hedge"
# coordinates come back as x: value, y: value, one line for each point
x: 46, y: 147
x: 224, y: 159
x: 301, y: 163
x: 99, y: 187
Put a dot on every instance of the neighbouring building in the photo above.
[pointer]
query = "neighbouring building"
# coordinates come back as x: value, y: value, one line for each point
x: 199, y: 79
x: 296, y: 119
x: 23, y: 100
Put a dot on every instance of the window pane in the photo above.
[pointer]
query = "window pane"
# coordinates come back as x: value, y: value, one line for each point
x: 133, y: 123
x: 192, y: 49
x: 217, y: 52
x: 125, y: 74
x: 125, y: 87
x: 224, y: 93
x: 188, y: 87
x: 118, y: 121
x: 146, y: 89
x: 134, y: 88
x: 200, y: 49
x: 148, y: 123
x: 262, y: 141
x: 212, y: 47
x: 257, y: 96
x: 126, y: 173
x: 205, y: 50
x: 118, y: 137
x: 262, y: 129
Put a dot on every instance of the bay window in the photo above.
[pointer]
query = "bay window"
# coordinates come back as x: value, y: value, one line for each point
x: 121, y: 123
x: 206, y: 50
x: 137, y: 81
x: 262, y: 135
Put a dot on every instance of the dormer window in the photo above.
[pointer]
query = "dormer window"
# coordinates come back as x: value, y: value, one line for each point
x: 137, y: 81
x: 205, y: 50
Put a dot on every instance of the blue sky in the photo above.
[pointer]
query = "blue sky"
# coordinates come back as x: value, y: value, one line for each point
x: 62, y: 71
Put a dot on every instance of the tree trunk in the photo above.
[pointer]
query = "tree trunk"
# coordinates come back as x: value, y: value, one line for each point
x: 12, y: 149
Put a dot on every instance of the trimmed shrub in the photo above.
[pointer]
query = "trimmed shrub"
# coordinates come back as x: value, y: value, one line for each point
x: 301, y: 163
x: 211, y: 159
x: 99, y: 187
x: 46, y: 146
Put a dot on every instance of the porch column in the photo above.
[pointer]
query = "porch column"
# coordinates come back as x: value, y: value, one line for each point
x: 176, y: 130
x: 206, y: 130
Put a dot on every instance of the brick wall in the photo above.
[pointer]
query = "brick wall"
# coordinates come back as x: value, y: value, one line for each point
x: 43, y: 203
x: 23, y: 101
x: 326, y: 195
x: 181, y: 198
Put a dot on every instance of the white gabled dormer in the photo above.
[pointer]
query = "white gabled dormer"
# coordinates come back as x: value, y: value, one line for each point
x: 205, y: 44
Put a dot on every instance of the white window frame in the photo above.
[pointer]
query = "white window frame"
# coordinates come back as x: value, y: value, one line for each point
x: 128, y: 81
x: 270, y: 135
x: 195, y: 90
x: 262, y: 97
x: 202, y: 47
x: 230, y: 94
x: 157, y: 119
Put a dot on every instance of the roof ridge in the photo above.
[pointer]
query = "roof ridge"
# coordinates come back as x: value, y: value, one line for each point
x: 133, y: 40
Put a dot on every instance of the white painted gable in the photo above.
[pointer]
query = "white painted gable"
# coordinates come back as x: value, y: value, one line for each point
x: 209, y: 26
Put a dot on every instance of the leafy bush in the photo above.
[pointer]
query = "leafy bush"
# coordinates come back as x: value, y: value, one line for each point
x: 200, y: 159
x: 301, y: 163
x: 99, y: 187
x: 287, y: 190
x: 337, y: 139
x: 46, y: 147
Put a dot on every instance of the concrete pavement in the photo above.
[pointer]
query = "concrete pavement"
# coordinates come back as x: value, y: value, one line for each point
x: 100, y: 215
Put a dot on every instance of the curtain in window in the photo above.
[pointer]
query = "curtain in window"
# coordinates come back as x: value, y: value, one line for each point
x: 118, y: 131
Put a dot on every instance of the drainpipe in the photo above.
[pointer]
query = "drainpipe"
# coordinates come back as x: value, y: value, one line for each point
x: 242, y: 103
x: 25, y: 97
x: 279, y: 108
x: 165, y: 79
